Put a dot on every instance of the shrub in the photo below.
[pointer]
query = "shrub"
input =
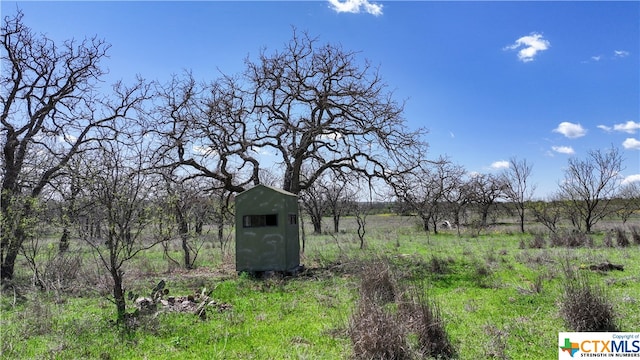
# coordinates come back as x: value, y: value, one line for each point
x: 424, y: 318
x: 585, y: 307
x: 377, y: 282
x: 621, y: 238
x: 608, y: 240
x: 571, y: 239
x: 376, y: 334
x: 538, y: 242
x: 496, y: 349
x: 438, y: 265
x: 635, y: 234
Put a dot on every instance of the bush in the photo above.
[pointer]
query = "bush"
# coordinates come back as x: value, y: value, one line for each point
x: 635, y: 234
x: 571, y: 239
x: 438, y: 265
x: 538, y: 242
x: 621, y: 238
x: 376, y: 334
x: 608, y: 240
x: 377, y: 282
x: 424, y: 318
x: 585, y: 307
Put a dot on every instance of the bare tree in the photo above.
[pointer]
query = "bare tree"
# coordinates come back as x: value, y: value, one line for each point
x: 320, y: 111
x: 50, y: 111
x: 629, y: 195
x: 548, y: 213
x: 116, y: 177
x: 311, y: 106
x: 314, y: 204
x: 428, y: 189
x: 486, y: 189
x: 590, y: 185
x: 517, y: 187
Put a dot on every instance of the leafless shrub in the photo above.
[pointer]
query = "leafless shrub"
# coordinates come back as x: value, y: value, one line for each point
x: 607, y: 240
x: 496, y: 349
x: 482, y: 275
x: 61, y: 271
x: 621, y: 238
x: 538, y: 242
x: 635, y: 234
x: 424, y: 318
x: 377, y: 282
x: 376, y: 334
x: 585, y: 306
x: 571, y: 239
x: 438, y: 265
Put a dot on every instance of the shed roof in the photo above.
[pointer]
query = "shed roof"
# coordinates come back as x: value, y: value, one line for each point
x: 284, y: 192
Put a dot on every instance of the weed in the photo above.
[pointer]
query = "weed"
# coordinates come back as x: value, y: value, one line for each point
x: 424, y: 318
x: 497, y: 346
x: 377, y: 282
x: 571, y: 239
x: 635, y: 234
x: 585, y: 306
x: 607, y: 240
x: 538, y: 242
x: 621, y: 238
x: 376, y: 334
x: 440, y: 266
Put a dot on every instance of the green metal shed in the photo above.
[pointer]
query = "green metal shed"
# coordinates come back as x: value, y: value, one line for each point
x: 267, y: 230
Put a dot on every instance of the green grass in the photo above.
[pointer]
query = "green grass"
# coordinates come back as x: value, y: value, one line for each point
x: 497, y: 299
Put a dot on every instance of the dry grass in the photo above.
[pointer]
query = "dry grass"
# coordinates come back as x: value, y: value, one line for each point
x: 585, y: 306
x: 386, y: 318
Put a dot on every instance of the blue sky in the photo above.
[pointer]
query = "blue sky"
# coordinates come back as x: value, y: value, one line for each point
x: 541, y: 81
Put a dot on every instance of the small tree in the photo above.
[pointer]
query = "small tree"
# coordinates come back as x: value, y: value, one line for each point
x: 629, y: 196
x: 485, y: 190
x: 517, y: 187
x: 590, y: 185
x: 121, y: 188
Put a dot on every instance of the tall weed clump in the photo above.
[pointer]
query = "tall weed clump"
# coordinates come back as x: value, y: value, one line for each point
x: 635, y: 234
x: 424, y: 318
x: 584, y: 306
x: 392, y: 324
x: 621, y: 238
x: 570, y: 239
x: 375, y: 332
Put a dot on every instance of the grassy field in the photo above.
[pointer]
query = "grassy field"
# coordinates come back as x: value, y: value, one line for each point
x: 499, y: 295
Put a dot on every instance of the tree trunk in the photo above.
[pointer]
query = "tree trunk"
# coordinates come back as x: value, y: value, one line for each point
x: 63, y: 246
x: 118, y: 294
x: 317, y: 225
x: 425, y: 224
x: 336, y: 223
x: 12, y: 237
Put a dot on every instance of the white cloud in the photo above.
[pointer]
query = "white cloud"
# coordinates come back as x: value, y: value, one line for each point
x: 529, y: 46
x: 631, y: 143
x: 204, y: 150
x: 570, y: 130
x: 596, y: 58
x: 68, y: 138
x: 630, y: 179
x: 502, y: 164
x: 604, y: 128
x: 628, y: 127
x: 355, y: 6
x: 620, y: 53
x: 563, y: 149
x: 331, y: 136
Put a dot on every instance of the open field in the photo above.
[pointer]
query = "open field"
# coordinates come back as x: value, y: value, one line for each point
x: 499, y: 294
